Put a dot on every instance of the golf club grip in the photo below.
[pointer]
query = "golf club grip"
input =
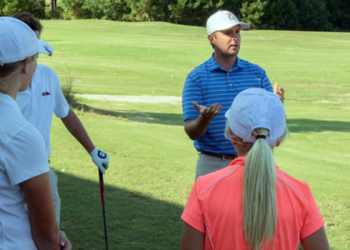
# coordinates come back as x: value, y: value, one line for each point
x: 102, y: 189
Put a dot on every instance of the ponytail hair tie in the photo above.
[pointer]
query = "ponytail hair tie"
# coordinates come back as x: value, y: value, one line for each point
x: 261, y: 136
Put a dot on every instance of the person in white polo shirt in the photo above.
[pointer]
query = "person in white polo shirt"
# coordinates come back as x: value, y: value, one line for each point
x: 27, y: 215
x: 44, y: 98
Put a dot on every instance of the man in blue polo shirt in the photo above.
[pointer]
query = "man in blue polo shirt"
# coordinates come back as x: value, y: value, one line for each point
x: 211, y: 87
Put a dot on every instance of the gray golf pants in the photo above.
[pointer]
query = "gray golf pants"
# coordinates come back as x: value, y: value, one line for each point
x: 207, y: 164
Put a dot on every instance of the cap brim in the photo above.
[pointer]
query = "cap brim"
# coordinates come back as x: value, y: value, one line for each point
x: 45, y: 48
x: 244, y: 26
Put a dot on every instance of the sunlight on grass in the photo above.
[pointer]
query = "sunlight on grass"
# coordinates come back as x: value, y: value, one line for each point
x: 152, y: 161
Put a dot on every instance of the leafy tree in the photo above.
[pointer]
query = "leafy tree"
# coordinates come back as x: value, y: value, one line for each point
x: 253, y: 12
x: 116, y: 10
x: 146, y: 10
x: 312, y: 14
x: 234, y: 6
x: 280, y: 14
x: 92, y: 9
x: 87, y: 9
x: 56, y: 13
x: 10, y: 7
x: 344, y: 20
x: 193, y: 12
x: 2, y: 5
x: 72, y: 8
x: 339, y: 14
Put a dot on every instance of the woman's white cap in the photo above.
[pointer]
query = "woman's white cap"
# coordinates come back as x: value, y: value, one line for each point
x: 223, y: 20
x: 257, y: 108
x: 18, y: 41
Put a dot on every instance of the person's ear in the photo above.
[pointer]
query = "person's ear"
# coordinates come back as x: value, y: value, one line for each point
x: 25, y: 65
x: 278, y: 143
x: 235, y: 139
x: 211, y: 38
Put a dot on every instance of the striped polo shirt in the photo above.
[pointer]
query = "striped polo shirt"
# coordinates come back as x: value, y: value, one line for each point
x: 209, y: 83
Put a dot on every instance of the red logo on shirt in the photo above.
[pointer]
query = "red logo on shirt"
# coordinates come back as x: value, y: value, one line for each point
x: 230, y: 16
x: 45, y: 93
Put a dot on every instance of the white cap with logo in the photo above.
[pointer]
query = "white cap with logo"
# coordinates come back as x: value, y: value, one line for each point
x: 223, y: 20
x: 18, y: 41
x: 257, y: 108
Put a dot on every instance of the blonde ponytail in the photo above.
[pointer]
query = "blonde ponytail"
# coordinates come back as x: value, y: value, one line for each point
x: 259, y: 194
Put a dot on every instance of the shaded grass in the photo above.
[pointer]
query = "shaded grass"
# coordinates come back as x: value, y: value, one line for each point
x: 145, y: 191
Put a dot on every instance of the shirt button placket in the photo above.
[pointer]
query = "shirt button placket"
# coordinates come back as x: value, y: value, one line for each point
x: 228, y: 80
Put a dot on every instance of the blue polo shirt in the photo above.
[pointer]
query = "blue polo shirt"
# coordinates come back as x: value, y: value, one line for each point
x: 209, y: 83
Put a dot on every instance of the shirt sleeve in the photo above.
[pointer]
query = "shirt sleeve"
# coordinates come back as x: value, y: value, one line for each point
x: 26, y: 156
x: 192, y: 92
x: 313, y: 220
x: 61, y: 105
x: 192, y: 213
x: 266, y: 84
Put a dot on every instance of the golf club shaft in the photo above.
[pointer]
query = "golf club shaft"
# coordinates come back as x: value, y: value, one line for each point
x: 102, y: 189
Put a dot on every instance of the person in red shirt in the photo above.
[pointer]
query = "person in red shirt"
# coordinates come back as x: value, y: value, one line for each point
x: 252, y: 204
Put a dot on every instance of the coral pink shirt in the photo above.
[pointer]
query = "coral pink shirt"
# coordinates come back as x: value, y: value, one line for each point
x: 214, y: 208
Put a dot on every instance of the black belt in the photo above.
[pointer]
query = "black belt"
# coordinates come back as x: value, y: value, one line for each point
x: 227, y: 157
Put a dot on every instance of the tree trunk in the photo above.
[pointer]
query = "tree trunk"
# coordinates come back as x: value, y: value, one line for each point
x: 53, y: 5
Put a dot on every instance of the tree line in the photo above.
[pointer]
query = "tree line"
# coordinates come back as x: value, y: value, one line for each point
x: 312, y: 15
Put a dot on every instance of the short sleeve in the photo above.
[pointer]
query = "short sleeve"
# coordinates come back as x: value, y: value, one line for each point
x: 61, y: 105
x: 266, y: 83
x: 192, y: 92
x: 313, y: 220
x: 192, y: 213
x: 25, y: 156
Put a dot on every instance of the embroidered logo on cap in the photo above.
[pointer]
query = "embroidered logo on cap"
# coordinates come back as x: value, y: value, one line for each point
x: 48, y: 50
x: 101, y: 154
x: 230, y: 16
x: 45, y: 93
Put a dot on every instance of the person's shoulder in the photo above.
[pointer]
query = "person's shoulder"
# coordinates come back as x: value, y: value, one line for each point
x: 219, y: 177
x: 247, y: 64
x: 300, y: 187
x: 200, y: 69
x: 45, y: 76
x: 44, y: 70
x: 30, y: 133
x: 15, y: 123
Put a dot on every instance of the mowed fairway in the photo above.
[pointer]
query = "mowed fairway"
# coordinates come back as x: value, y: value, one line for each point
x: 152, y: 161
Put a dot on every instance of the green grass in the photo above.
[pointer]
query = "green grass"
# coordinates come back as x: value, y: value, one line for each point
x: 152, y: 162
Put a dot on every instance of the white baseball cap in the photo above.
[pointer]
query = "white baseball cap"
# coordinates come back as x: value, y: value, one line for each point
x: 18, y: 41
x: 223, y: 20
x: 257, y: 108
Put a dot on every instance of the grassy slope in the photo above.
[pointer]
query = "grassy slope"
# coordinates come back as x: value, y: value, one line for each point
x: 152, y: 160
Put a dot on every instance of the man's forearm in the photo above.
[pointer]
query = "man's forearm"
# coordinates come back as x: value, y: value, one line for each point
x: 195, y: 128
x: 76, y: 128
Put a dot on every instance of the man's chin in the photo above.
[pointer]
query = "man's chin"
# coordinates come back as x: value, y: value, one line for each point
x: 231, y: 54
x: 234, y: 51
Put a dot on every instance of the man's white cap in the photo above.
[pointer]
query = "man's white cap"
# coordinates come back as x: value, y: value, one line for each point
x: 223, y: 20
x: 257, y: 108
x: 18, y: 41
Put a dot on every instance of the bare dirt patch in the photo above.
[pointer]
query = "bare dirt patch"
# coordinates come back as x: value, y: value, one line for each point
x: 133, y: 99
